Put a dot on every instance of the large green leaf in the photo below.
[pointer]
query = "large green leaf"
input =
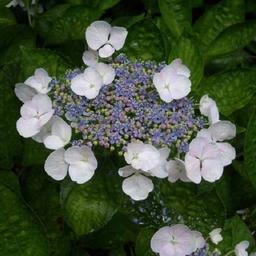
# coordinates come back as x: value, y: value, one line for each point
x: 36, y: 184
x: 232, y: 38
x: 97, y: 4
x: 232, y: 90
x: 33, y: 58
x: 21, y: 232
x: 144, y: 41
x: 65, y: 22
x: 216, y: 19
x: 195, y: 210
x: 10, y: 146
x: 177, y: 15
x: 90, y: 206
x: 142, y: 246
x: 234, y: 232
x: 6, y: 17
x: 250, y: 149
x: 187, y: 50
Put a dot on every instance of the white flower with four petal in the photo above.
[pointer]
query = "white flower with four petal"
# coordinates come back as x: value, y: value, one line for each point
x: 203, y: 161
x: 101, y: 37
x: 35, y: 113
x: 176, y: 240
x: 79, y: 162
x: 173, y: 81
x: 142, y: 156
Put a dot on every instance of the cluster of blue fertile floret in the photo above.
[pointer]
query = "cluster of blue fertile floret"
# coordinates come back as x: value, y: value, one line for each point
x: 129, y: 108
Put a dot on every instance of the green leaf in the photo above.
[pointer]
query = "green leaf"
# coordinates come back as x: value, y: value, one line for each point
x: 97, y: 4
x: 34, y: 153
x: 10, y: 146
x: 128, y: 21
x: 250, y: 149
x: 216, y: 19
x: 119, y: 230
x: 177, y: 15
x: 65, y: 22
x: 6, y: 17
x: 144, y: 41
x: 33, y: 58
x: 232, y: 90
x: 90, y: 206
x: 232, y: 38
x: 20, y: 231
x: 234, y: 232
x: 188, y: 52
x: 195, y: 210
x: 3, y: 3
x: 142, y: 246
x: 36, y: 184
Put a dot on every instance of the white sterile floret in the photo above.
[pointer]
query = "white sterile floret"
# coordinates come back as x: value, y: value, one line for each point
x: 35, y: 114
x: 215, y: 235
x: 135, y: 184
x: 90, y: 58
x: 39, y: 81
x: 241, y: 248
x: 79, y: 162
x: 222, y: 130
x: 59, y: 135
x: 177, y: 171
x: 87, y: 84
x: 176, y: 240
x: 173, y: 82
x: 160, y: 171
x: 208, y: 108
x: 203, y: 161
x: 106, y: 72
x: 142, y: 156
x: 24, y: 92
x: 101, y: 37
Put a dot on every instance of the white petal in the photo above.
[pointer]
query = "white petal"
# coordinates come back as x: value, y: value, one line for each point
x: 227, y: 153
x: 205, y: 133
x: 199, y: 241
x: 215, y: 235
x: 106, y: 51
x: 126, y: 171
x: 240, y: 248
x: 213, y: 115
x: 180, y: 87
x: 44, y: 131
x: 223, y: 130
x: 107, y: 73
x: 193, y: 170
x: 81, y: 172
x: 160, y: 239
x: 205, y: 104
x: 28, y: 127
x: 28, y: 110
x: 197, y: 146
x: 173, y: 171
x: 39, y: 81
x: 137, y: 187
x: 61, y: 129
x: 77, y: 154
x: 87, y: 84
x: 180, y: 68
x: 97, y: 34
x: 117, y: 37
x: 55, y: 165
x: 53, y: 142
x: 90, y: 58
x: 24, y: 92
x: 212, y: 169
x: 42, y: 104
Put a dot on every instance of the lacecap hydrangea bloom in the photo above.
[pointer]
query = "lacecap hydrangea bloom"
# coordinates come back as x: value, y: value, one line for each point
x: 138, y: 110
